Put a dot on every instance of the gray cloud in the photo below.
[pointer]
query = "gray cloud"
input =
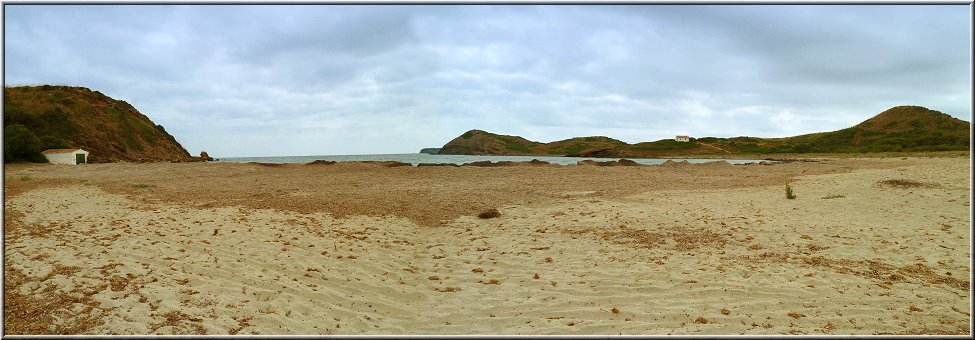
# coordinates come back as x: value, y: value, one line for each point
x: 314, y: 79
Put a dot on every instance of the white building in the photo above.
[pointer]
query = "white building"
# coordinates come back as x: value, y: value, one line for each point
x: 683, y: 138
x: 66, y: 156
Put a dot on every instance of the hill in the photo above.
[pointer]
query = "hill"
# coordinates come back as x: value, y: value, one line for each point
x: 901, y: 128
x: 63, y: 116
x: 477, y: 142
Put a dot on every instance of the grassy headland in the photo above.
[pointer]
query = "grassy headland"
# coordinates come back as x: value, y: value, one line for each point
x: 900, y: 129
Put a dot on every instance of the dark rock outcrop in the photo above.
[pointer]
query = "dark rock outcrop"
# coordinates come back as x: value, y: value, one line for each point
x: 597, y: 153
x: 321, y: 162
x: 488, y: 163
x: 621, y: 162
x: 671, y: 162
x: 388, y: 164
x: 437, y: 164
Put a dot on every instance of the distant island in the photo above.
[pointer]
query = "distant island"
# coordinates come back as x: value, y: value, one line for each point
x: 432, y: 151
x: 901, y: 128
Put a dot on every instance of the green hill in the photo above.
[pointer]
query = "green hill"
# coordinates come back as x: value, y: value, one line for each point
x: 77, y: 117
x: 477, y: 142
x: 901, y: 128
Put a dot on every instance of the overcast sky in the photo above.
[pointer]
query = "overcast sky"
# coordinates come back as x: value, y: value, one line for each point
x: 247, y: 80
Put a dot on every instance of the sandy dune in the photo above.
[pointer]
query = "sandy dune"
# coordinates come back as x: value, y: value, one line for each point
x: 562, y: 259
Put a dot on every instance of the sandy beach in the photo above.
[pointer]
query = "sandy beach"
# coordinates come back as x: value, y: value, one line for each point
x: 869, y: 246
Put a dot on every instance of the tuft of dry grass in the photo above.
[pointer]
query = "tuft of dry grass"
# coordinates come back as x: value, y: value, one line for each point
x: 490, y: 282
x: 725, y: 311
x: 905, y: 183
x: 615, y: 310
x: 914, y: 308
x: 490, y: 213
x: 702, y: 320
x: 477, y: 270
x: 448, y: 289
x: 795, y: 314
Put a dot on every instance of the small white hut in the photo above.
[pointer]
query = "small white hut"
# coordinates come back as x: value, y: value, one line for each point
x: 683, y: 138
x: 66, y: 156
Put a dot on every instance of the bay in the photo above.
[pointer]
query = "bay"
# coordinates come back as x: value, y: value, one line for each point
x: 417, y: 158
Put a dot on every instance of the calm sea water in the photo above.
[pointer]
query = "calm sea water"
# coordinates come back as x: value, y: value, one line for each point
x: 417, y: 158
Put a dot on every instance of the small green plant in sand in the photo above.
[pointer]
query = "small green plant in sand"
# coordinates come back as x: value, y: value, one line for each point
x: 143, y: 186
x: 833, y: 196
x: 25, y: 178
x: 788, y: 192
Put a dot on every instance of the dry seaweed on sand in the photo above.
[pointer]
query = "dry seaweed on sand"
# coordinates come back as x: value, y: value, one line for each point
x: 490, y: 213
x: 906, y: 183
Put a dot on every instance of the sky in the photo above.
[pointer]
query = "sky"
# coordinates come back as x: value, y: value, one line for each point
x: 276, y: 80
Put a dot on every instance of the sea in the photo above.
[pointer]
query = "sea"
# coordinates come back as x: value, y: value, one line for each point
x: 417, y: 158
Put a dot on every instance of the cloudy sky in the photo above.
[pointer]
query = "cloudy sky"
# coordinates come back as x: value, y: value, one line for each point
x: 248, y: 80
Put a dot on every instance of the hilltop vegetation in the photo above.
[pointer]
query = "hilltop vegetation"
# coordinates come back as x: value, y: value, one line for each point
x: 43, y: 117
x: 902, y: 128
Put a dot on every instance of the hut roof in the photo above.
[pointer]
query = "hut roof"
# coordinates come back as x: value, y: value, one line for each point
x: 60, y: 150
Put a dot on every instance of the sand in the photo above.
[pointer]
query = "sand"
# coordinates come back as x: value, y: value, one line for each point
x: 363, y: 249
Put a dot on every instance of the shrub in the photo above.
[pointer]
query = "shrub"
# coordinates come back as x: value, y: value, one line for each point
x: 51, y: 142
x: 788, y: 192
x: 21, y: 143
